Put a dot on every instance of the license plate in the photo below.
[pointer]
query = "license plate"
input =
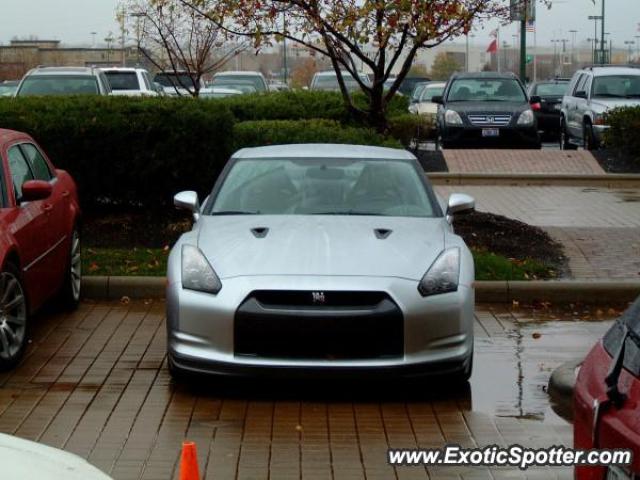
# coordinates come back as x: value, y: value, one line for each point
x: 557, y: 106
x: 490, y: 132
x: 615, y: 473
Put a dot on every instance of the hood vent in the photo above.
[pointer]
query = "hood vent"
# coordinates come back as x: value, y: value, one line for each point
x: 382, y: 233
x: 260, y: 232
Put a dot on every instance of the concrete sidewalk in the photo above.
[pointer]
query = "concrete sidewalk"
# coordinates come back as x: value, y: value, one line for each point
x: 599, y: 227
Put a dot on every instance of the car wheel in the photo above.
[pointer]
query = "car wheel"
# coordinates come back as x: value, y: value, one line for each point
x: 70, y: 293
x: 14, y: 316
x: 589, y: 138
x: 565, y: 143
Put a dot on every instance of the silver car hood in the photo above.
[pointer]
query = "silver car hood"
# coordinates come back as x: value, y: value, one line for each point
x: 320, y: 245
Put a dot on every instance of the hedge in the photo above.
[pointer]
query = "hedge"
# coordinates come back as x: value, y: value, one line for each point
x: 134, y: 151
x: 297, y: 105
x: 622, y: 134
x: 278, y: 132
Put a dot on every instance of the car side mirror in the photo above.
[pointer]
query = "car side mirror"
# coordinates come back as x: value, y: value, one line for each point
x: 188, y: 200
x: 535, y: 99
x: 33, y: 190
x: 438, y: 99
x: 581, y: 94
x: 459, y: 202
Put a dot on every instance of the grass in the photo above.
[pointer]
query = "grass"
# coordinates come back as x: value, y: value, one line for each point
x: 146, y: 262
x: 153, y: 262
x: 490, y: 266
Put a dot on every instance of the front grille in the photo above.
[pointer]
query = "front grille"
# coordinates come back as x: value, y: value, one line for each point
x: 490, y: 120
x: 298, y: 325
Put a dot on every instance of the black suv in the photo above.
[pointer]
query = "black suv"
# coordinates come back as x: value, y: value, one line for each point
x: 486, y: 109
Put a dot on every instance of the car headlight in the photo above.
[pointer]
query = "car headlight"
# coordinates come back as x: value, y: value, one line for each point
x: 443, y: 274
x: 197, y: 273
x: 526, y: 118
x: 451, y: 117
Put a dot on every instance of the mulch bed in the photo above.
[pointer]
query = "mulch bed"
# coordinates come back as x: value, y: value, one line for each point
x: 510, y: 238
x: 615, y: 161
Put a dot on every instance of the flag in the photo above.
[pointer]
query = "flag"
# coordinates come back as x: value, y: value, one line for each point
x: 493, y: 46
x: 531, y: 26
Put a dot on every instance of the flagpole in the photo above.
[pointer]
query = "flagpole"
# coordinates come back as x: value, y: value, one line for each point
x: 535, y: 53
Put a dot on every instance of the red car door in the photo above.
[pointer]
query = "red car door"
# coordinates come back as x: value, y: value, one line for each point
x: 29, y: 223
x: 57, y: 207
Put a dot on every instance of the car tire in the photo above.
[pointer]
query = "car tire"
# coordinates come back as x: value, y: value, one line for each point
x: 565, y: 143
x: 14, y: 317
x: 72, y: 283
x: 590, y: 142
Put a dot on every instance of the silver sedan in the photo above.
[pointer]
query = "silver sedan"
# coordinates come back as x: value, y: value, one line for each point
x: 321, y: 259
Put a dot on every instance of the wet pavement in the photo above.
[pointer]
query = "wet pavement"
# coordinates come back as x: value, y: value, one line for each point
x: 95, y: 383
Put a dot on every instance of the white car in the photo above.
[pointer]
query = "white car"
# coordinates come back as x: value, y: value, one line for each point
x: 25, y: 460
x: 130, y: 82
x: 424, y: 106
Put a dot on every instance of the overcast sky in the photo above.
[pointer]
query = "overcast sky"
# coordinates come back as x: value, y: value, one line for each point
x: 72, y: 21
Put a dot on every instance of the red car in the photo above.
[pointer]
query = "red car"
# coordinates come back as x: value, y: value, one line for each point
x: 39, y: 239
x: 607, y: 398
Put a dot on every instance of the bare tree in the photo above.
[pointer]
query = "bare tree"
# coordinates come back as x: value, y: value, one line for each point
x: 181, y: 41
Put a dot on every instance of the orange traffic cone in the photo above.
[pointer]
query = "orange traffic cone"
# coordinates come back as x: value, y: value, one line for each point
x: 189, y: 462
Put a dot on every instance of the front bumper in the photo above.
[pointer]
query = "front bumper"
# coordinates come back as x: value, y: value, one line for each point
x: 471, y: 137
x: 438, y: 330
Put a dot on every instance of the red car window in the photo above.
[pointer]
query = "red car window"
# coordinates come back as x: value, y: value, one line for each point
x: 37, y: 162
x: 20, y: 170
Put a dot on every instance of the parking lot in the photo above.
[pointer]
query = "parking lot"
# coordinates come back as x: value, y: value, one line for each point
x: 95, y: 383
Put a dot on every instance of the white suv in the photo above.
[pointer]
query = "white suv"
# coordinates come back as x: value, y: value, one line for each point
x: 592, y: 92
x: 64, y: 81
x: 130, y: 82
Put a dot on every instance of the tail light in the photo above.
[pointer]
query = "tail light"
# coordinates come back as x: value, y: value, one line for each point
x: 536, y: 107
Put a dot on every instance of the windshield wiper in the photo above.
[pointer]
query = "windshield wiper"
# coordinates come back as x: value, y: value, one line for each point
x: 234, y: 212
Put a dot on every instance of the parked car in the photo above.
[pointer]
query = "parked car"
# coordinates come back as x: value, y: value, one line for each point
x: 416, y: 92
x: 486, y: 109
x: 64, y: 81
x: 409, y: 83
x: 39, y: 239
x: 130, y: 82
x: 607, y: 397
x: 547, y: 111
x: 215, y: 92
x: 246, y: 82
x: 312, y: 233
x: 592, y: 92
x: 425, y: 106
x: 8, y: 88
x: 328, y: 81
x: 25, y: 460
x: 177, y: 84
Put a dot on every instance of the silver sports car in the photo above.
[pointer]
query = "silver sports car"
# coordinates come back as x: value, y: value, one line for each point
x: 321, y: 259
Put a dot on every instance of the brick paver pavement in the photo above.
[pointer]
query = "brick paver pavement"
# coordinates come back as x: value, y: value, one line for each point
x: 95, y: 383
x: 599, y: 227
x: 522, y: 161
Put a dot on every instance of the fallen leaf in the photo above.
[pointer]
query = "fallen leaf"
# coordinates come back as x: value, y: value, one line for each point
x: 536, y: 335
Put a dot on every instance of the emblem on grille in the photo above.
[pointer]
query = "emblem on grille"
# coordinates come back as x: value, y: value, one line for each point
x: 318, y: 297
x: 490, y: 120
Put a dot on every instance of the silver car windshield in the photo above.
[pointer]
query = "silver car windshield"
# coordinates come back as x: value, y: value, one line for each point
x: 323, y: 187
x: 59, y: 85
x: 617, y: 86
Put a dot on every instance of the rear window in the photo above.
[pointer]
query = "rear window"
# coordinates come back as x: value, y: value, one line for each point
x: 550, y: 89
x: 123, y: 80
x: 59, y: 85
x: 486, y: 90
x: 233, y: 81
x: 181, y: 80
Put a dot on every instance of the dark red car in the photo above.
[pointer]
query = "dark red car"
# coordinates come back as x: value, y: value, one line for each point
x: 39, y: 239
x: 607, y: 397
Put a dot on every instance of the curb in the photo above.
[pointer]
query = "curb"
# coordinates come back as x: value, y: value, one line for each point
x: 570, y: 291
x: 612, y: 180
x: 561, y: 386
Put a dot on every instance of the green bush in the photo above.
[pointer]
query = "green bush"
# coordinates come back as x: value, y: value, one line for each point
x: 300, y: 104
x: 127, y: 152
x: 622, y: 134
x: 278, y: 132
x: 408, y: 126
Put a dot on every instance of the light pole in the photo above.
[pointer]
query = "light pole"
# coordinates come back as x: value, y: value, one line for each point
x: 637, y: 37
x: 603, y: 54
x: 573, y: 45
x: 515, y: 51
x: 555, y: 42
x: 138, y: 16
x: 595, y: 19
x: 109, y: 40
x: 93, y: 39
